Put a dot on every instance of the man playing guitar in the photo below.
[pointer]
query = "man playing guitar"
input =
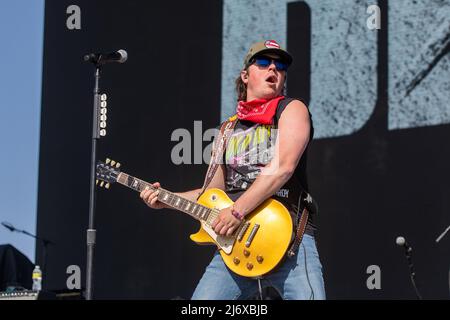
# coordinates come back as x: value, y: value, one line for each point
x: 264, y: 158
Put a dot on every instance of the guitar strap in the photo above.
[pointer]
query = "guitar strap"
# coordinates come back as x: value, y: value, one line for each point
x: 301, y: 227
x: 218, y: 148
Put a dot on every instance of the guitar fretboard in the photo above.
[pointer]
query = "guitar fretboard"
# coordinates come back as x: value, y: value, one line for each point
x: 194, y: 209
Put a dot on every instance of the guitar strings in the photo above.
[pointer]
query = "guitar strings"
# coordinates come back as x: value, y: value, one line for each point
x: 141, y: 185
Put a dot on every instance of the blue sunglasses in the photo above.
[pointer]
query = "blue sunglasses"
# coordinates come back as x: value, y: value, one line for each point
x: 266, y: 62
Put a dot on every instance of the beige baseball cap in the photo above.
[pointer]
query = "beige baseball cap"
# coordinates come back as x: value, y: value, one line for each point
x: 267, y: 46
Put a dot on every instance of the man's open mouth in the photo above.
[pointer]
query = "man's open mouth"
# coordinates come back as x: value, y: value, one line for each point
x: 271, y: 79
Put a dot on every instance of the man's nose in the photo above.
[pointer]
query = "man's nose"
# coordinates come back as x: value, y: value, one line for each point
x: 272, y: 65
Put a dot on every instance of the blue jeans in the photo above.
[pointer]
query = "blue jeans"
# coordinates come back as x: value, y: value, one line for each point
x: 296, y: 278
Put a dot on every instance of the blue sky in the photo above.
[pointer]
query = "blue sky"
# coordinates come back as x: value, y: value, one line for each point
x: 21, y: 49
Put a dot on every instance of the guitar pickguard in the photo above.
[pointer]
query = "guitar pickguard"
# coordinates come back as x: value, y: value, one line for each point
x: 225, y: 243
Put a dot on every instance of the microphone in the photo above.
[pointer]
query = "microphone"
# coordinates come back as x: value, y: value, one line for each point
x: 119, y: 56
x: 402, y: 243
x: 8, y: 226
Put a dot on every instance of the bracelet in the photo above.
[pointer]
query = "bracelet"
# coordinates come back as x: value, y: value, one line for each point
x: 236, y: 214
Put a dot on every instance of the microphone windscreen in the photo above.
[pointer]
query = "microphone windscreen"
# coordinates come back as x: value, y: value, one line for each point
x: 123, y: 56
x: 400, y: 241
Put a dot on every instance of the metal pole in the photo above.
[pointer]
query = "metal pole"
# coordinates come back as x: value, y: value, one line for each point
x: 91, y: 232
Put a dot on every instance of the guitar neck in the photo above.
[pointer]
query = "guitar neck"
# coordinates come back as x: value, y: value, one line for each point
x: 174, y: 201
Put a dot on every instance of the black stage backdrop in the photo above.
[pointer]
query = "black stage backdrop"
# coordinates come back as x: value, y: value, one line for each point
x: 371, y: 186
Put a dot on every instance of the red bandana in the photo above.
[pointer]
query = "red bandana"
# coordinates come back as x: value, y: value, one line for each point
x: 259, y: 110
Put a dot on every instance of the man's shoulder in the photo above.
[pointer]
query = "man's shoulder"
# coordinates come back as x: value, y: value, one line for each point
x: 287, y: 101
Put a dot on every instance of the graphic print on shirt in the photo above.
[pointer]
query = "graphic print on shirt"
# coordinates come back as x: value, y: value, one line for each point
x: 247, y: 152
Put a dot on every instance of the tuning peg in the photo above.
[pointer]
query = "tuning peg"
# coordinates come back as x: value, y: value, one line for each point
x: 102, y: 184
x: 103, y: 97
x: 107, y: 185
x: 102, y: 132
x: 108, y: 160
x: 103, y: 104
x: 96, y: 181
x: 118, y: 165
x: 113, y: 163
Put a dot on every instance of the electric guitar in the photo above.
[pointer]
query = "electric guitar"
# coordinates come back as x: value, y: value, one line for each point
x: 253, y: 250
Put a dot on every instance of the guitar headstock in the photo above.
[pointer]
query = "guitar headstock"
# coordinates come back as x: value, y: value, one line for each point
x: 107, y: 172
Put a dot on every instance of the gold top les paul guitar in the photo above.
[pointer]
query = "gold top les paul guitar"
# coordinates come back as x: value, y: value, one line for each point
x: 254, y: 249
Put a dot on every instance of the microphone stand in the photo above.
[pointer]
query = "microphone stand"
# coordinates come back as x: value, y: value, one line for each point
x: 91, y: 232
x: 408, y: 251
x: 98, y: 125
x: 442, y: 234
x: 45, y: 243
x: 437, y: 241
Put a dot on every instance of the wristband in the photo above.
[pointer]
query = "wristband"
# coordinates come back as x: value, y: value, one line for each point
x: 236, y: 214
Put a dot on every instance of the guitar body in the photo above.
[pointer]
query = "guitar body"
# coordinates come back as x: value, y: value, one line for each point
x: 262, y: 246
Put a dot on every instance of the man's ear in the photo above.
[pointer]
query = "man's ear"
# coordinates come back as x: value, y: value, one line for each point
x: 244, y: 76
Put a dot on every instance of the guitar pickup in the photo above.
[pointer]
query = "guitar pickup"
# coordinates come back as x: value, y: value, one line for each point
x: 252, y: 235
x: 243, y: 230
